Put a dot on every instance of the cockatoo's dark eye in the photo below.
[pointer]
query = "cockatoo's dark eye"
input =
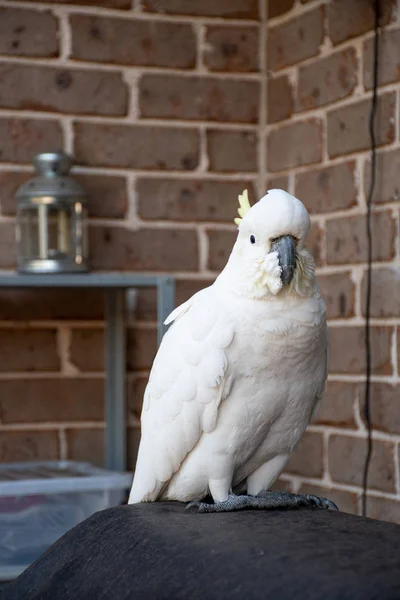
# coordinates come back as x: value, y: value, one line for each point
x: 252, y: 239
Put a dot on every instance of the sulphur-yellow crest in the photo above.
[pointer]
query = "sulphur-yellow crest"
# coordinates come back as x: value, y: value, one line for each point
x: 244, y: 206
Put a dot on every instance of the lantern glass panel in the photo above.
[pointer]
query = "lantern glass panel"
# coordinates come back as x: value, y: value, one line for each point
x: 60, y: 232
x: 28, y: 233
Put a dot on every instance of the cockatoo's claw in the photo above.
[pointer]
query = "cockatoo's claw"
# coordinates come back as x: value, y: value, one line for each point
x: 321, y: 502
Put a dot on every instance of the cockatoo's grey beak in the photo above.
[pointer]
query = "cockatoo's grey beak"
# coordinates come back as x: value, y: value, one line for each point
x: 285, y: 246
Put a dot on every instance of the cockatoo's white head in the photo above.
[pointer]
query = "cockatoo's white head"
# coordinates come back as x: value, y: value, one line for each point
x: 269, y: 257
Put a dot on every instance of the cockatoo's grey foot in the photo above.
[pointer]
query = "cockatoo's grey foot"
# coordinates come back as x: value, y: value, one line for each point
x: 265, y: 500
x: 233, y: 502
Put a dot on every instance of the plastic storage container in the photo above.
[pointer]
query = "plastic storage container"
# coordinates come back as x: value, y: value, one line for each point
x: 40, y: 501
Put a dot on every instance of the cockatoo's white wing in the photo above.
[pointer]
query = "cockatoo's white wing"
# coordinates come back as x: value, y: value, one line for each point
x: 321, y: 391
x: 186, y: 385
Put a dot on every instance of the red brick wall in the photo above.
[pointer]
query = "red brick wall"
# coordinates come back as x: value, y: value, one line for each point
x: 171, y: 108
x: 319, y: 57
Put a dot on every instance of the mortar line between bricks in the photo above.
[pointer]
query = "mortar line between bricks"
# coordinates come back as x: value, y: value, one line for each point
x: 334, y: 160
x: 47, y: 375
x: 125, y: 120
x: 84, y: 65
x: 63, y: 444
x: 129, y: 14
x: 340, y: 486
x: 359, y: 321
x: 204, y: 249
x: 64, y: 32
x: 294, y: 13
x: 322, y: 55
x: 396, y: 469
x: 360, y: 378
x: 340, y: 268
x: 320, y: 111
x: 377, y: 435
x: 56, y: 425
x: 183, y: 175
x: 73, y: 324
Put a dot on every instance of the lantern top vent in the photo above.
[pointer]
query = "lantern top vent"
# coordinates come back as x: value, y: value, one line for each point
x: 53, y: 180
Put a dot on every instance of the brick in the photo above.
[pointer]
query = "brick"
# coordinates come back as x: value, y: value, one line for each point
x: 347, y: 240
x: 279, y: 99
x: 133, y: 447
x: 21, y: 139
x: 389, y: 60
x: 337, y: 406
x: 117, y: 4
x: 387, y: 181
x: 346, y: 501
x: 28, y: 33
x: 51, y: 304
x: 226, y: 9
x: 280, y: 182
x: 51, y: 400
x: 315, y: 242
x: 347, y: 350
x: 281, y: 485
x: 87, y: 349
x: 338, y: 291
x: 346, y: 462
x: 86, y: 445
x: 276, y: 8
x: 28, y: 350
x: 295, y: 40
x: 8, y: 249
x: 129, y: 42
x: 198, y: 98
x: 194, y: 200
x: 295, y: 144
x: 383, y: 509
x: 146, y: 307
x: 141, y: 349
x: 136, y: 147
x: 144, y: 250
x: 385, y: 299
x: 233, y: 49
x: 348, y: 127
x: 232, y: 151
x: 327, y: 80
x: 21, y: 446
x: 107, y: 195
x: 328, y: 189
x: 67, y: 90
x: 135, y: 392
x: 384, y: 406
x: 349, y: 19
x: 307, y: 459
x: 220, y: 244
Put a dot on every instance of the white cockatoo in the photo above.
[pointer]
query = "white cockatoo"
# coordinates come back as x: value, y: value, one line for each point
x: 239, y: 373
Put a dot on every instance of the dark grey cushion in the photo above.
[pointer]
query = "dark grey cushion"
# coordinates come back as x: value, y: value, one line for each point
x: 159, y: 551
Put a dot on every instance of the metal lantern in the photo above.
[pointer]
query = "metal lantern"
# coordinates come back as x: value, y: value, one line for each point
x: 51, y: 219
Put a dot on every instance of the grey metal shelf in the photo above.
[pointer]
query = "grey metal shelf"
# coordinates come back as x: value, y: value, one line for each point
x: 115, y: 285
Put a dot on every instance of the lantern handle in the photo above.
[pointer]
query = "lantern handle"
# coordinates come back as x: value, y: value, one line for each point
x: 51, y: 164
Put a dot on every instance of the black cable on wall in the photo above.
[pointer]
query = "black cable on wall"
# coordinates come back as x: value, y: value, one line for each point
x: 372, y: 121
